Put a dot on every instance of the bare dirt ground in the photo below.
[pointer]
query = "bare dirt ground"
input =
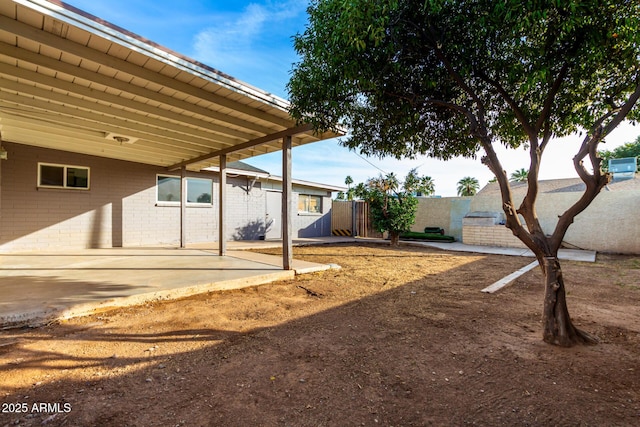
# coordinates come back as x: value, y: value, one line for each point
x: 398, y: 337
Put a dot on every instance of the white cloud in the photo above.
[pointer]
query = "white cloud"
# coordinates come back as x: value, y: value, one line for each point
x: 255, y: 44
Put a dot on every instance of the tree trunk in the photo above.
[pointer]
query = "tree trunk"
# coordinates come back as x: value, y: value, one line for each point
x: 558, y: 328
x: 394, y: 236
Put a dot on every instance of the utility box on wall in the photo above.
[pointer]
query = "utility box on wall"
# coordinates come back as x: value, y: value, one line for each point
x: 623, y: 168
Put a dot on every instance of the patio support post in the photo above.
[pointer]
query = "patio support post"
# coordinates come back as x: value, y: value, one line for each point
x: 222, y: 196
x: 287, y: 227
x: 183, y: 206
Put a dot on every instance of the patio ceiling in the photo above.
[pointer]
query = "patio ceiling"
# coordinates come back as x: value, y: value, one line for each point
x: 72, y: 82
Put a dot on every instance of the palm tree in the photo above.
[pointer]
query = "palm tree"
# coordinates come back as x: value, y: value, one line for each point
x: 350, y: 192
x: 520, y: 175
x: 468, y: 186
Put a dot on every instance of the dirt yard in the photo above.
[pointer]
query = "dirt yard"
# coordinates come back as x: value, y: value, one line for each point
x: 398, y: 337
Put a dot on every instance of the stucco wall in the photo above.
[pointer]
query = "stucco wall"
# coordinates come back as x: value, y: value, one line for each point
x: 610, y: 224
x: 444, y: 212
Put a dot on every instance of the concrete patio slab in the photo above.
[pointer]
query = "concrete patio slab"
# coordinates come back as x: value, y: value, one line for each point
x: 36, y: 288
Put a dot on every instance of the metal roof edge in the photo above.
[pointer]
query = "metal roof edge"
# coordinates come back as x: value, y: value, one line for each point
x: 95, y: 25
x: 277, y: 178
x: 231, y: 171
x: 310, y: 184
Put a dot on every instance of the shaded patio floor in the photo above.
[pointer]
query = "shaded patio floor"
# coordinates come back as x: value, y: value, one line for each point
x: 38, y: 287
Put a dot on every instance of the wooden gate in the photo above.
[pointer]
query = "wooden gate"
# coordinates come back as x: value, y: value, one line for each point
x: 352, y: 218
x: 342, y: 218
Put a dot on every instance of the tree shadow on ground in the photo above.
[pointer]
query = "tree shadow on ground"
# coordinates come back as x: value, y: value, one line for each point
x: 433, y: 351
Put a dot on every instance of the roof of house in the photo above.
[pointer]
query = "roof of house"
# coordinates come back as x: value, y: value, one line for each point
x: 71, y: 81
x: 245, y: 169
x: 242, y: 166
x: 565, y: 185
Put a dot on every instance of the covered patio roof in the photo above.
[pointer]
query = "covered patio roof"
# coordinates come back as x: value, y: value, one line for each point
x: 71, y: 81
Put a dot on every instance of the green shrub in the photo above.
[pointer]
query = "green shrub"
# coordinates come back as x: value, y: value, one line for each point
x: 414, y: 235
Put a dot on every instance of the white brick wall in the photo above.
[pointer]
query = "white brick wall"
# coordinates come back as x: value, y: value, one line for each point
x: 491, y: 235
x: 120, y: 209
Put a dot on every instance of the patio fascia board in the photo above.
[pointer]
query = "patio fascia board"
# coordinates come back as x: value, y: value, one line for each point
x: 249, y: 144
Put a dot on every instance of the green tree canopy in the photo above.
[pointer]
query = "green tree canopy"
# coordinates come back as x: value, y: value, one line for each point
x: 468, y: 186
x: 393, y: 204
x: 450, y: 77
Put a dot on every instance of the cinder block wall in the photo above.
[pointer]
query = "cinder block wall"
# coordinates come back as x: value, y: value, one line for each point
x: 609, y: 224
x: 312, y: 225
x: 33, y: 218
x: 245, y: 209
x: 491, y: 235
x: 444, y: 212
x: 120, y: 208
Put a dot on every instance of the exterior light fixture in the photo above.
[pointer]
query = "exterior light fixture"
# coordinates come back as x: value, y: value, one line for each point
x: 122, y: 139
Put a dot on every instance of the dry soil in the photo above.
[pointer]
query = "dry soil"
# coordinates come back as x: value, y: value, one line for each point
x: 397, y: 337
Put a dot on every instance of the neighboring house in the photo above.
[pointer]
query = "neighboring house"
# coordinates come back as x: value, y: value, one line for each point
x: 100, y: 129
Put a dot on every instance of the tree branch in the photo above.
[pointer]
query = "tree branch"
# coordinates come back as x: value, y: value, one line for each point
x: 596, y: 181
x: 623, y: 111
x: 513, y: 221
x: 548, y: 103
x: 464, y: 86
x: 510, y: 101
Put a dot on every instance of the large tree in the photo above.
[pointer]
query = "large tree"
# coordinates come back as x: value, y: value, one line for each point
x: 447, y: 77
x: 392, y: 203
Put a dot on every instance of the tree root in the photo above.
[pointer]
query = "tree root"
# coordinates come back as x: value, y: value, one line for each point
x: 577, y: 336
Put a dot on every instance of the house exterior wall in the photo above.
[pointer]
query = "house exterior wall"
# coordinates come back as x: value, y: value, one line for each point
x: 120, y: 207
x: 246, y: 207
x: 306, y: 224
x: 33, y: 218
x: 312, y: 225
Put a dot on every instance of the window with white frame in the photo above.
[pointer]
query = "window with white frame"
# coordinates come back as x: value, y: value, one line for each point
x: 199, y: 190
x: 168, y: 189
x: 52, y: 175
x: 309, y: 204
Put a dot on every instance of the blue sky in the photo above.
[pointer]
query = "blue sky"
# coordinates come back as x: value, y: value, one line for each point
x: 252, y: 41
